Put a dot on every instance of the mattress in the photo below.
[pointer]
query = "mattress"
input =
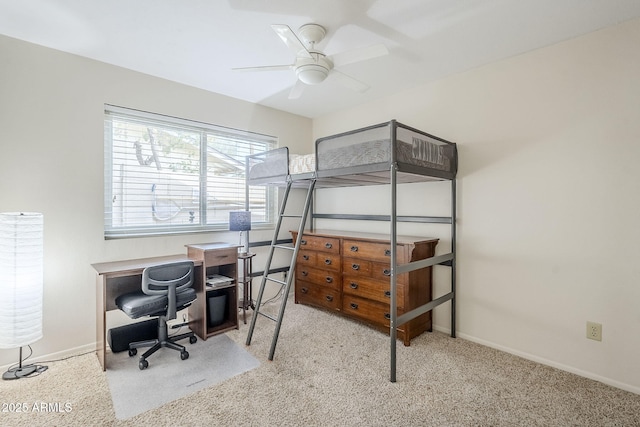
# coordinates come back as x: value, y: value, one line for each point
x: 364, y: 153
x: 373, y: 146
x: 279, y: 163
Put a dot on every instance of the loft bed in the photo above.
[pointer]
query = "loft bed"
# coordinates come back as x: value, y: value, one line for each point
x: 388, y: 153
x: 360, y: 157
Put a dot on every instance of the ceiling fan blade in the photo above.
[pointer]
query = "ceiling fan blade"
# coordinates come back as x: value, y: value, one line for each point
x: 357, y: 55
x: 296, y: 90
x: 349, y: 81
x: 264, y: 68
x: 291, y: 40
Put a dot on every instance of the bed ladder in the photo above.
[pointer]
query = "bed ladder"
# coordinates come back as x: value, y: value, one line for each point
x: 285, y: 285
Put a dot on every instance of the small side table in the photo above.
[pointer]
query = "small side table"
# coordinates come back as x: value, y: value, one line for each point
x: 246, y: 280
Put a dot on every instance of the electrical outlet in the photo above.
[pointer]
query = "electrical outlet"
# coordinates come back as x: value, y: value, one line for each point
x: 594, y: 331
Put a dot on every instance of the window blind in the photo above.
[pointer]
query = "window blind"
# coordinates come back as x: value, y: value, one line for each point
x: 167, y: 175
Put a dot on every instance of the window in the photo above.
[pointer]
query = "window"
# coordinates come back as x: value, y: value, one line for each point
x: 167, y: 175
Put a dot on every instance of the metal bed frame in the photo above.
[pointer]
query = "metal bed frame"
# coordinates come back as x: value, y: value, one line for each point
x: 376, y: 174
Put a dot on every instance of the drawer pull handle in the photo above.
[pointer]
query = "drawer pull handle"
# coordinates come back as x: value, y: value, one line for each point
x: 354, y: 248
x: 328, y: 245
x: 354, y: 305
x: 387, y: 252
x: 304, y: 290
x: 305, y: 257
x: 387, y: 294
x: 353, y: 285
x: 355, y: 266
x: 303, y: 242
x: 387, y: 316
x: 305, y: 273
x: 329, y: 298
x: 327, y: 261
x: 329, y: 279
x: 386, y: 272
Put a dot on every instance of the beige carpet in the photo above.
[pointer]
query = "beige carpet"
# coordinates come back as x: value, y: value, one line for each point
x: 329, y: 371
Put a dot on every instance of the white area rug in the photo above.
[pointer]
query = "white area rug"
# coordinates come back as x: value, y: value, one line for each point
x: 168, y: 378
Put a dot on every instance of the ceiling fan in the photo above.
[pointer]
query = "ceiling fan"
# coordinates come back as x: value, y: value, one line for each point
x: 312, y: 66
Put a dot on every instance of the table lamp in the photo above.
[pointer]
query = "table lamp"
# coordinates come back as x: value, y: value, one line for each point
x: 21, y: 284
x: 241, y: 221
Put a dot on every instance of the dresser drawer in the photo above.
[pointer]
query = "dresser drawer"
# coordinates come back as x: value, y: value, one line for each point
x: 325, y: 278
x: 306, y: 257
x: 380, y: 271
x: 220, y: 257
x: 375, y: 270
x: 371, y: 250
x: 372, y: 311
x: 377, y: 290
x: 309, y: 293
x: 320, y: 243
x: 322, y: 260
x: 329, y: 261
x: 356, y: 266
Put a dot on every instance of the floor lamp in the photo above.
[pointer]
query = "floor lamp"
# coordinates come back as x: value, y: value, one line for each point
x: 241, y: 221
x: 21, y: 284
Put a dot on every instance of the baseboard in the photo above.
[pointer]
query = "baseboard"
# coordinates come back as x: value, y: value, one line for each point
x: 52, y: 357
x: 547, y: 362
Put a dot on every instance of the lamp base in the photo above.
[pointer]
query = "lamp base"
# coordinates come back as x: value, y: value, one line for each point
x: 19, y: 372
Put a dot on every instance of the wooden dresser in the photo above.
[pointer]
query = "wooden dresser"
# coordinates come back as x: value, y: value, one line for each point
x: 349, y: 272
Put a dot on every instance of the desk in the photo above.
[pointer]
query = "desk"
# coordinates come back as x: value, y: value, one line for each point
x: 119, y: 277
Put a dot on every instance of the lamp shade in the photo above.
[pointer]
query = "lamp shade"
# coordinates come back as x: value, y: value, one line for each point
x: 21, y: 278
x: 240, y: 220
x: 312, y: 74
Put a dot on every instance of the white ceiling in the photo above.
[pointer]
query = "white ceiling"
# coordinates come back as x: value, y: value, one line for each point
x: 198, y: 42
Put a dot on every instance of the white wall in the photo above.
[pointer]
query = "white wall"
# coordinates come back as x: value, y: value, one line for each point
x: 548, y: 198
x: 51, y: 161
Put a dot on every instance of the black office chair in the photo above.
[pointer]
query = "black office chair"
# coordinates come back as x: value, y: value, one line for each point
x: 166, y: 289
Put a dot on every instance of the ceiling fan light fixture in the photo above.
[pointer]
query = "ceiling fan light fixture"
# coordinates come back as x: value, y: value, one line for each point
x: 312, y: 74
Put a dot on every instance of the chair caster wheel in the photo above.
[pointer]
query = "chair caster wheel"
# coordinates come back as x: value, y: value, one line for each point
x: 184, y: 355
x: 133, y: 352
x: 193, y: 339
x: 143, y: 364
